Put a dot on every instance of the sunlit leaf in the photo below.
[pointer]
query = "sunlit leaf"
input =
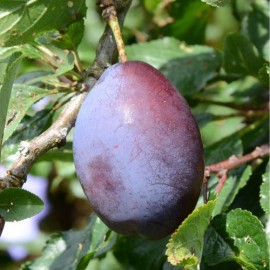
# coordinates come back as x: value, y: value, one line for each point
x: 217, y: 3
x: 23, y: 96
x: 18, y: 204
x: 23, y: 21
x: 5, y: 93
x: 26, y: 50
x: 241, y: 56
x: 68, y: 39
x: 233, y: 184
x: 238, y: 236
x: 255, y: 24
x: 186, y: 244
x: 265, y: 191
x: 28, y: 128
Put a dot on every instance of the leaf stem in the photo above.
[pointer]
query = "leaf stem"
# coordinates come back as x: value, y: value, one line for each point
x: 77, y: 60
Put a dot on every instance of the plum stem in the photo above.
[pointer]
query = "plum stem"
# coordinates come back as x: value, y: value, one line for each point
x: 110, y: 15
x: 114, y: 24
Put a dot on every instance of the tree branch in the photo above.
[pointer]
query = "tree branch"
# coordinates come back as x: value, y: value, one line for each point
x: 221, y: 168
x: 234, y: 161
x: 30, y: 151
x: 55, y: 136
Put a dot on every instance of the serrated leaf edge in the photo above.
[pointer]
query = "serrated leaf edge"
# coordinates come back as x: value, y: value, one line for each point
x: 239, y: 259
x: 265, y: 177
x: 168, y: 248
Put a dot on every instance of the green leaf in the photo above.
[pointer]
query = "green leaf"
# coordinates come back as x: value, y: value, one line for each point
x: 63, y: 154
x: 204, y: 118
x: 265, y: 191
x: 238, y: 236
x: 184, y: 15
x: 264, y: 74
x: 66, y: 40
x: 157, y: 52
x: 217, y: 3
x: 186, y: 244
x: 29, y: 128
x: 255, y: 25
x: 216, y: 250
x: 247, y: 91
x: 36, y: 78
x: 65, y: 63
x: 256, y: 134
x: 58, y: 154
x: 223, y: 149
x: 133, y: 252
x: 188, y: 67
x: 69, y: 249
x: 18, y: 204
x: 151, y: 5
x: 23, y: 97
x: 61, y: 59
x: 101, y: 242
x: 5, y: 92
x: 22, y: 21
x: 237, y: 180
x: 241, y: 56
x: 26, y: 50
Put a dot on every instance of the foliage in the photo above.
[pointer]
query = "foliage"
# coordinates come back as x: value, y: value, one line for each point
x: 186, y: 244
x: 239, y: 236
x: 74, y: 249
x: 17, y: 204
x: 5, y: 91
x: 220, y: 65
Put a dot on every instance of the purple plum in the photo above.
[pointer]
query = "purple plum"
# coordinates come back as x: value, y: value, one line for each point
x: 138, y: 151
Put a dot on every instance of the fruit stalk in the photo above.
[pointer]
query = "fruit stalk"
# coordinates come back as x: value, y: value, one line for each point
x: 110, y: 15
x: 114, y: 24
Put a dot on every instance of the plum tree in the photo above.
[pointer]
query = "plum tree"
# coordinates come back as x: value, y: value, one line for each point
x: 138, y: 152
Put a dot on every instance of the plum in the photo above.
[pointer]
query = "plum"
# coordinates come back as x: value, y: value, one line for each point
x: 138, y: 151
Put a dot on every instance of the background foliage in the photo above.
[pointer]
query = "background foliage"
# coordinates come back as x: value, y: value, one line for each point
x: 215, y: 52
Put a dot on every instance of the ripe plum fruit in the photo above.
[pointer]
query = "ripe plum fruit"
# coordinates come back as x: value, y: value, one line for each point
x: 138, y: 152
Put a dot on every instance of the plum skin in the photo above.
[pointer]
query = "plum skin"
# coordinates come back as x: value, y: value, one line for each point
x: 138, y: 151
